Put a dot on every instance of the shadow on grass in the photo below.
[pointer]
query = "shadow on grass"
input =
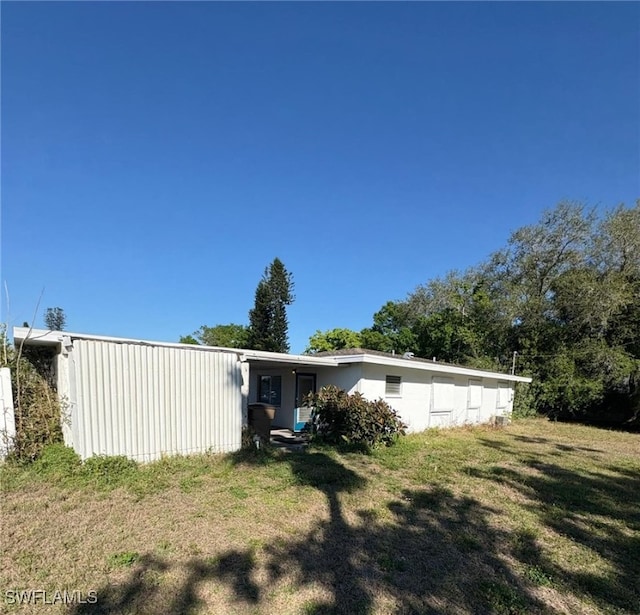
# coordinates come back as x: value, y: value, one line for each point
x: 559, y: 447
x: 429, y: 551
x: 598, y: 510
x: 143, y: 591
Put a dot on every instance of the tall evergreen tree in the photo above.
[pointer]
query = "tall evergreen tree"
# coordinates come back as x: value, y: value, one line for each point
x: 55, y: 319
x: 268, y: 325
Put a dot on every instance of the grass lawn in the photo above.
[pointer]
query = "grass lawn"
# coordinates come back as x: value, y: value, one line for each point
x: 538, y: 517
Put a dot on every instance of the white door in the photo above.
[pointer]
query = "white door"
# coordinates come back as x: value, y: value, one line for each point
x: 442, y: 402
x: 474, y: 400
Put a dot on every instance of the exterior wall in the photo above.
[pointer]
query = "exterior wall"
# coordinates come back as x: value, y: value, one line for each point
x: 146, y: 401
x: 7, y: 417
x: 285, y: 412
x: 439, y: 400
x: 246, y: 387
x: 346, y: 377
x: 415, y: 396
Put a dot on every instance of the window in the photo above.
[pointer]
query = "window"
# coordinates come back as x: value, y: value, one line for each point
x: 270, y: 389
x: 392, y: 386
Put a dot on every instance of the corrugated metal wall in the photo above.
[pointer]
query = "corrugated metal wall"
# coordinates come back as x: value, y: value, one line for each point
x: 146, y: 401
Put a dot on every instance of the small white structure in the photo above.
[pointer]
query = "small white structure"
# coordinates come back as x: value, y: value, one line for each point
x: 146, y: 399
x: 7, y: 417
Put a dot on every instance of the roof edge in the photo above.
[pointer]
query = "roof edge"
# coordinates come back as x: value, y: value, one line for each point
x: 45, y: 337
x: 361, y: 355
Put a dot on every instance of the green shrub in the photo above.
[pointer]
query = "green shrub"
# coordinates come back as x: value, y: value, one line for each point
x: 106, y: 471
x: 57, y: 460
x: 524, y: 403
x: 38, y: 412
x: 352, y: 419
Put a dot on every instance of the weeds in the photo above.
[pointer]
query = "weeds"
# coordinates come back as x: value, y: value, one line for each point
x: 126, y: 559
x: 37, y: 409
x: 58, y: 461
x: 537, y: 576
x: 109, y: 472
x: 503, y: 599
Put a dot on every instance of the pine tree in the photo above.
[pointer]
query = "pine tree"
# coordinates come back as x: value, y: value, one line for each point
x: 55, y: 319
x: 268, y: 325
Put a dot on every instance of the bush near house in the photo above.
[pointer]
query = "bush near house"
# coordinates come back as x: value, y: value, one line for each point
x: 340, y: 417
x: 37, y: 408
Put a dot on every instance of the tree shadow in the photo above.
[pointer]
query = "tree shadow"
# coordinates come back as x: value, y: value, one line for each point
x: 598, y: 511
x: 559, y: 447
x: 325, y: 554
x: 437, y: 553
x: 428, y: 551
x: 531, y: 439
x: 143, y: 593
x: 554, y: 449
x: 132, y: 596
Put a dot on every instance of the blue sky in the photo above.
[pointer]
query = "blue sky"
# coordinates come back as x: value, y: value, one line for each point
x: 157, y: 156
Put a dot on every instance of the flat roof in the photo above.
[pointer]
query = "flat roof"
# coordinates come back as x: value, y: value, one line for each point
x: 44, y: 337
x: 274, y: 359
x: 376, y: 357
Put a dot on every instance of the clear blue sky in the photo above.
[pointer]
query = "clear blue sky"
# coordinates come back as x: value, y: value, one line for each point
x: 157, y: 156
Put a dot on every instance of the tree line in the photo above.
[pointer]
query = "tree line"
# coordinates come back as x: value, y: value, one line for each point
x: 560, y: 302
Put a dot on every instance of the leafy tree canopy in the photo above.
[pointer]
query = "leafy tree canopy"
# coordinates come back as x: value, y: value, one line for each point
x: 226, y: 336
x: 334, y: 339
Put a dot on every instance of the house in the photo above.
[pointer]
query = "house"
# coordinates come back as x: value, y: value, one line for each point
x: 425, y: 393
x: 146, y: 399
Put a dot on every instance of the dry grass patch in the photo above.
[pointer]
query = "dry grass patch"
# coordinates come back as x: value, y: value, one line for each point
x: 536, y: 518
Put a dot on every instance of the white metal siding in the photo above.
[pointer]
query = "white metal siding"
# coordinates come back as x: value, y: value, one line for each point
x: 147, y: 401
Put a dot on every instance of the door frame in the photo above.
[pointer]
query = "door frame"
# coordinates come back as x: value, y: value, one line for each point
x: 474, y: 413
x: 300, y: 422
